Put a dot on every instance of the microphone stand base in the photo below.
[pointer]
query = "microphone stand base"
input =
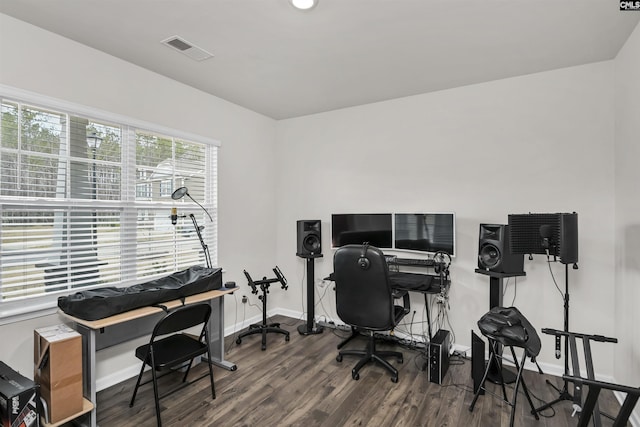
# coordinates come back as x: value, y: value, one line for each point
x: 563, y: 395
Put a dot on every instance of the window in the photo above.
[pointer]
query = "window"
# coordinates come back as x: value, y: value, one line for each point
x: 166, y: 187
x: 85, y: 201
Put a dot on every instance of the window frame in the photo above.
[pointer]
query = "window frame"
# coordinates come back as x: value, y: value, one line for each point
x: 27, y: 308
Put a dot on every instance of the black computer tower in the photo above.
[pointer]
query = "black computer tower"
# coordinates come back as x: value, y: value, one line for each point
x: 439, y: 356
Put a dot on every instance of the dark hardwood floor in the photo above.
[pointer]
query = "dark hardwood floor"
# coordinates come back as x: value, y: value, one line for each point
x: 300, y: 383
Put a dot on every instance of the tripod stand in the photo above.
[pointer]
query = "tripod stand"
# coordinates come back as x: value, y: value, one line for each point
x: 264, y: 327
x: 563, y: 394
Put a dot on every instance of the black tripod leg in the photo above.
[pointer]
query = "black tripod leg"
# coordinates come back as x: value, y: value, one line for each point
x: 563, y: 395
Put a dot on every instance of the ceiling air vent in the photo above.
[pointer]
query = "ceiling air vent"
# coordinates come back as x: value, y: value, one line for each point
x: 189, y: 49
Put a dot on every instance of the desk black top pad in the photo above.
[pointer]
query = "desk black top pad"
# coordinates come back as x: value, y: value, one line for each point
x: 427, y: 283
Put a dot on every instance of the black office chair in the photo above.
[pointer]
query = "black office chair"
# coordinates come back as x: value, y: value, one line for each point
x: 365, y: 300
x: 166, y: 351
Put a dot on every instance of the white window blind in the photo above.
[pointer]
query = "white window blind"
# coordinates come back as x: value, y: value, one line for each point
x: 85, y: 201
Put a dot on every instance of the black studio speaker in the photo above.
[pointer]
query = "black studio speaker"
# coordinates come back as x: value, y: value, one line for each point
x: 309, y: 238
x: 494, y: 253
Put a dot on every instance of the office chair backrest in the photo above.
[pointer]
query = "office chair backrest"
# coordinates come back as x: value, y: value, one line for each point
x: 183, y: 318
x: 363, y: 290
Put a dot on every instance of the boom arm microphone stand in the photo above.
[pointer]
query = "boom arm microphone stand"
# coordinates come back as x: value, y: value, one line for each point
x: 563, y: 394
x: 205, y: 248
x: 179, y: 194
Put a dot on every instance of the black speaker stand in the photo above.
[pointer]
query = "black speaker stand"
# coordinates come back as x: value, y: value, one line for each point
x: 310, y: 328
x: 497, y: 373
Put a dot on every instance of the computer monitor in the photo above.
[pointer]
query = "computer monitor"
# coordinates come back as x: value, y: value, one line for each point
x: 425, y: 232
x: 376, y: 229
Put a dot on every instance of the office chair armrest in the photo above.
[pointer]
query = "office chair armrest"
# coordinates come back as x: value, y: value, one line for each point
x: 401, y: 293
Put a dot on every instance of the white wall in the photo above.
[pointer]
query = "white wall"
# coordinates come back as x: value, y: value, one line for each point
x: 41, y: 62
x: 627, y: 208
x: 537, y: 143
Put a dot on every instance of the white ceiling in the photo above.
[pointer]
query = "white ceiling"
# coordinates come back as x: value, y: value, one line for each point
x: 273, y: 59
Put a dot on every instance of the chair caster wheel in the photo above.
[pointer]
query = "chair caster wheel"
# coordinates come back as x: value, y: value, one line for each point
x: 238, y: 341
x: 394, y: 379
x: 355, y: 375
x: 400, y: 360
x: 264, y: 347
x: 286, y: 337
x: 339, y: 358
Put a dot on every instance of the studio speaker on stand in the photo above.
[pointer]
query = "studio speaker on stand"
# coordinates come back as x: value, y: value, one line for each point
x: 309, y: 246
x: 494, y: 253
x: 309, y: 238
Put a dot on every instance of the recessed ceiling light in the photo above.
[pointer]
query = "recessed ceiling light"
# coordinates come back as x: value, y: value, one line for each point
x: 304, y: 4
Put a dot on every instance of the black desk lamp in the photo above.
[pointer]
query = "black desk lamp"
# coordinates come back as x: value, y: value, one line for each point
x: 179, y: 194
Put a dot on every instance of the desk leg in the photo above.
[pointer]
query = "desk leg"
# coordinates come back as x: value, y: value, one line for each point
x: 88, y: 373
x: 216, y: 334
x: 428, y: 344
x: 426, y: 307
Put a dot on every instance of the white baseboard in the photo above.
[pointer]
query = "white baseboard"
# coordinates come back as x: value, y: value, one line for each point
x: 230, y: 330
x: 117, y: 377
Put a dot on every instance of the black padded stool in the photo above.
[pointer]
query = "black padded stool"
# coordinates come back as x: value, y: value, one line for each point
x: 509, y: 328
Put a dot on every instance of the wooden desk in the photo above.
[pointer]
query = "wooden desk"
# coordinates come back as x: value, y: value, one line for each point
x: 103, y: 333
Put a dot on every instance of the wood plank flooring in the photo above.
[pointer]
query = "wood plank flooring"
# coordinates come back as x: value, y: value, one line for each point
x: 300, y: 383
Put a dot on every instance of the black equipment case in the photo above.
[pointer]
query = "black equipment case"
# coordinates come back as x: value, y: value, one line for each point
x: 99, y: 303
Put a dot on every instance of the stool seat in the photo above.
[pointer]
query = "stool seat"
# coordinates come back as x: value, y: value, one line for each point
x: 507, y: 327
x: 510, y: 328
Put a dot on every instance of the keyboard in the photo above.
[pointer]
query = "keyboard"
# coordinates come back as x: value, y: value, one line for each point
x: 412, y: 262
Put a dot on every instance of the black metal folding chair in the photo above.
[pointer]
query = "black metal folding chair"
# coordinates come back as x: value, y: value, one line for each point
x: 168, y: 348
